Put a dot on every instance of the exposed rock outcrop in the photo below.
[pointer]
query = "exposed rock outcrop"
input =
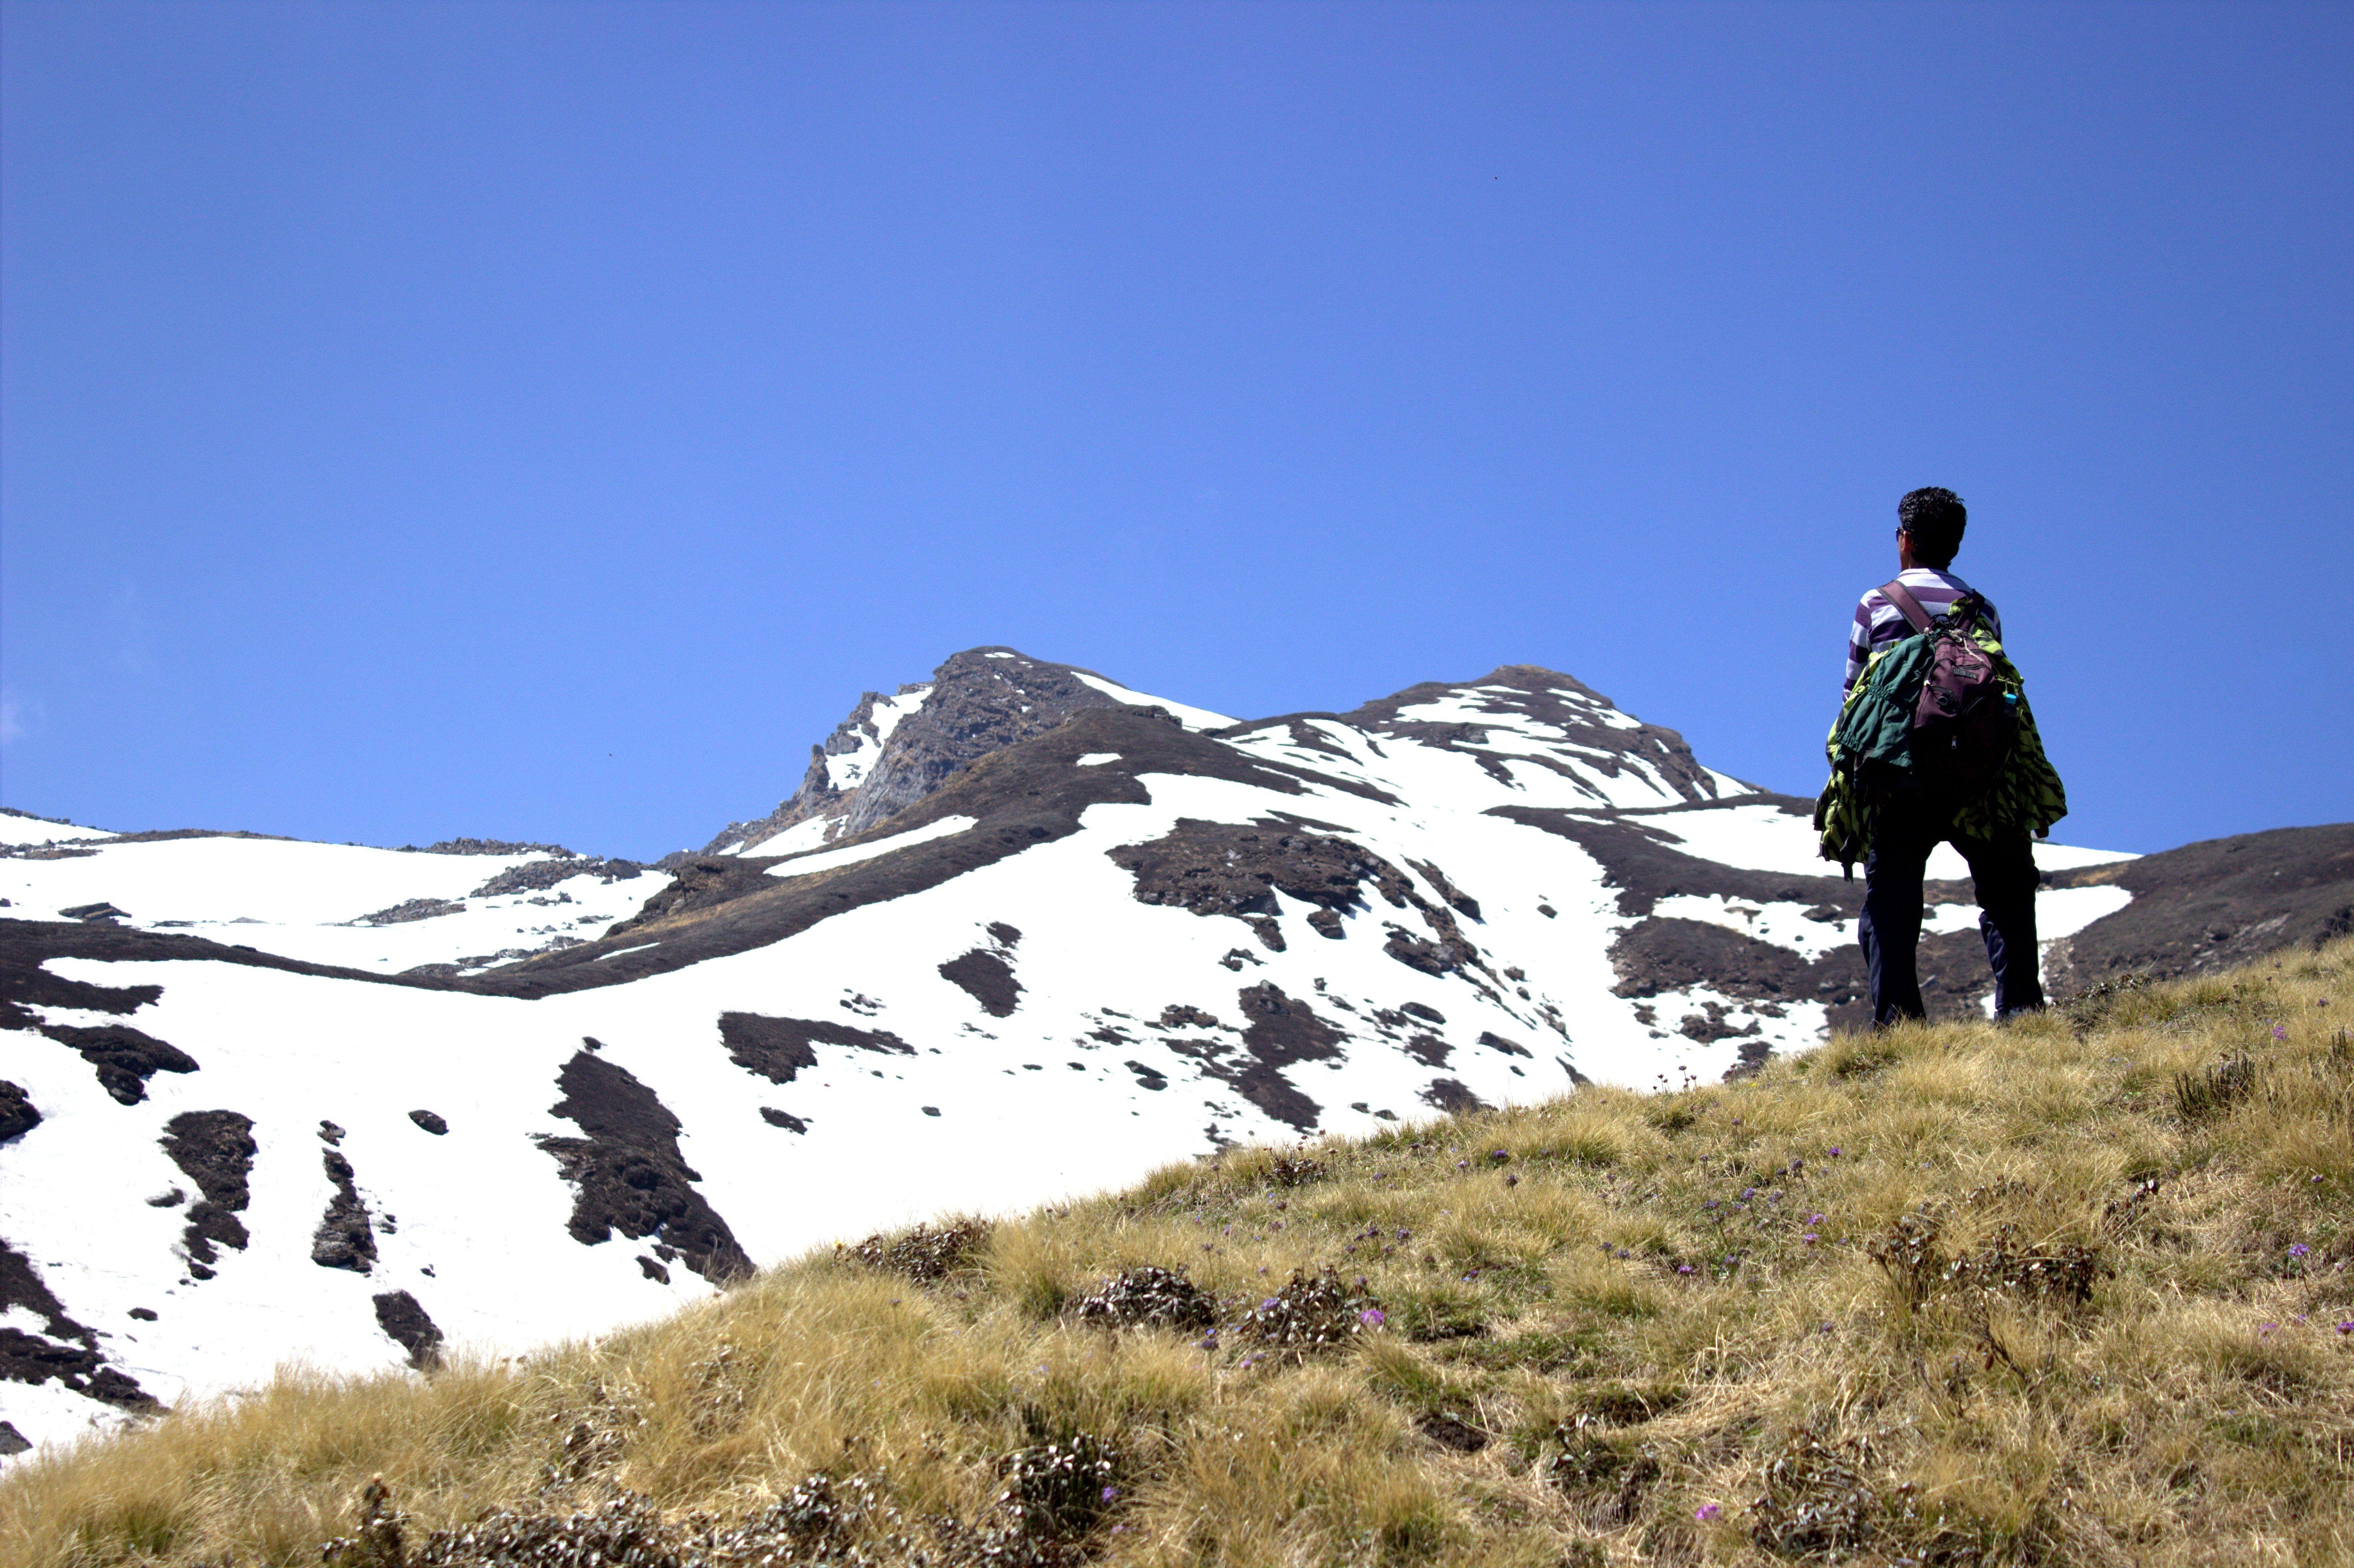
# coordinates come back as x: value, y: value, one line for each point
x: 627, y: 1175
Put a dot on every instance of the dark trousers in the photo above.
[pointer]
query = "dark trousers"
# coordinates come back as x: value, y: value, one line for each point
x: 2004, y: 872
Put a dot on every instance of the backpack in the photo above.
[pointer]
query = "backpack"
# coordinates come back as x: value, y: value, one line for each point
x: 1966, y: 720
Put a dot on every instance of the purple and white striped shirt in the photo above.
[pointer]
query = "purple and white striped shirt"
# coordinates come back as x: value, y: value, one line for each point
x: 1878, y: 621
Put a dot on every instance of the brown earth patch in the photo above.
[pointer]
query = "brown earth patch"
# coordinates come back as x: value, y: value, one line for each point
x: 2211, y: 905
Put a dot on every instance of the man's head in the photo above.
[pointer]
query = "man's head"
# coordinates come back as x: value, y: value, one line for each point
x: 1932, y: 521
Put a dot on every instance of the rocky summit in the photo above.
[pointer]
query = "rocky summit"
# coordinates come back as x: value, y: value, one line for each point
x: 1020, y: 931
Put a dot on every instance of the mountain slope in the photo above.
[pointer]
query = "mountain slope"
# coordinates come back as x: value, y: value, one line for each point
x: 276, y: 1098
x: 2052, y: 1293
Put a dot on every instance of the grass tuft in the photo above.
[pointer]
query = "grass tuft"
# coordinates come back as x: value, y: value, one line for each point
x: 2072, y: 1291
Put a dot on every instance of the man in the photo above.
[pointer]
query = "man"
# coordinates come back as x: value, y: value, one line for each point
x: 1911, y: 820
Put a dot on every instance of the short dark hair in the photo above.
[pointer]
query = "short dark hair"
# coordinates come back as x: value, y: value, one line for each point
x: 1935, y: 517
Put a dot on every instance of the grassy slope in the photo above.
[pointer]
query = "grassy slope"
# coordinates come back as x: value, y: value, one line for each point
x: 1655, y: 1307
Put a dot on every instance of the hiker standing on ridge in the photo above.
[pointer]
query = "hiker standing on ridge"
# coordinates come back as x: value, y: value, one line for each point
x: 1935, y: 744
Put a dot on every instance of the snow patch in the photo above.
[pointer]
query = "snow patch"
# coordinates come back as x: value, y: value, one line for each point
x: 2064, y: 911
x: 827, y: 860
x: 1191, y: 717
x: 15, y: 829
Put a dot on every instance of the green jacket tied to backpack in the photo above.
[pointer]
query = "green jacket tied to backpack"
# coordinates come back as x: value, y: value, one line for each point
x: 1870, y: 753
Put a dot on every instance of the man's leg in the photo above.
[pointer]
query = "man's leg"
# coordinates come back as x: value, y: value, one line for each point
x: 1891, y: 927
x: 2004, y: 873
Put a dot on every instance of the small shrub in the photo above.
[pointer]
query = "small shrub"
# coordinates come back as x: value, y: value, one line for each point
x: 377, y: 1542
x: 1149, y: 1297
x: 1672, y: 1118
x: 1860, y: 1056
x: 1907, y: 1252
x: 2201, y: 1095
x: 624, y: 1528
x: 2065, y: 1274
x: 1627, y: 1404
x: 923, y: 1253
x: 817, y: 1515
x: 1059, y: 1486
x: 1310, y: 1312
x: 1608, y: 1476
x: 1818, y: 1501
x: 2088, y: 1010
x: 1294, y: 1170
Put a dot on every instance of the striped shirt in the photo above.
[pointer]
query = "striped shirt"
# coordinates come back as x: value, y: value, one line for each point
x: 1878, y: 623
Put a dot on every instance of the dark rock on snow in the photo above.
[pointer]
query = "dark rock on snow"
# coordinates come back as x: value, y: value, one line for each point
x: 400, y: 1316
x: 627, y: 1173
x: 345, y: 1238
x: 125, y: 1058
x: 64, y: 1350
x: 215, y: 1150
x: 1453, y: 1097
x: 412, y: 909
x: 779, y: 1048
x: 987, y: 978
x: 18, y: 1113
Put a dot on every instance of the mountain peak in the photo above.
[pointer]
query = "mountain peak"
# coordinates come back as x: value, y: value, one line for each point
x: 892, y: 751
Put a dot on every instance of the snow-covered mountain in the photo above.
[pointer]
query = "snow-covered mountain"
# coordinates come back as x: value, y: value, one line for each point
x: 1021, y: 931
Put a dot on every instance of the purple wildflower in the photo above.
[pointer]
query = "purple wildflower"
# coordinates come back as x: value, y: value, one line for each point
x: 1110, y: 1493
x: 1814, y: 1219
x: 1371, y: 1318
x: 1835, y: 1153
x: 2280, y: 1031
x: 2299, y: 1250
x: 1683, y: 1268
x: 1810, y: 1238
x: 1707, y: 1513
x: 2347, y: 1327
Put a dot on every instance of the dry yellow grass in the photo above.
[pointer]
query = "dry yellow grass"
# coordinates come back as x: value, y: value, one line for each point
x: 2057, y: 1293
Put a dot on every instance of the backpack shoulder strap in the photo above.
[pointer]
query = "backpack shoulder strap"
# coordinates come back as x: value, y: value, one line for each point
x: 1897, y: 593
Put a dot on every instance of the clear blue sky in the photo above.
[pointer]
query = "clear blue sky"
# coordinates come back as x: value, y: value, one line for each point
x: 541, y: 421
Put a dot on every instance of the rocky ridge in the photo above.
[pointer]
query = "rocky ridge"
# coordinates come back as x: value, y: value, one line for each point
x: 892, y: 751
